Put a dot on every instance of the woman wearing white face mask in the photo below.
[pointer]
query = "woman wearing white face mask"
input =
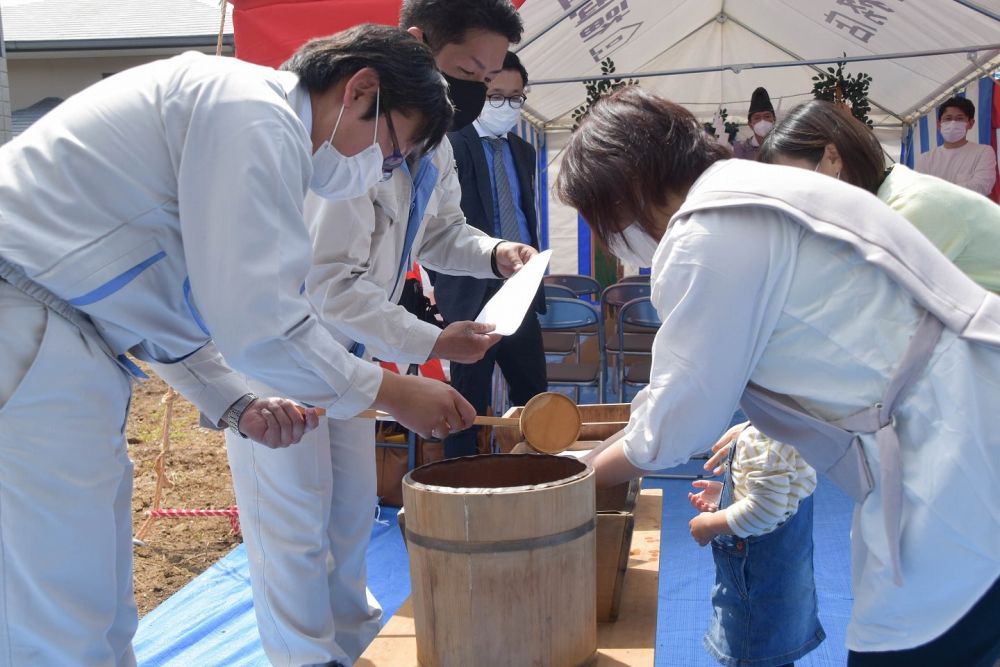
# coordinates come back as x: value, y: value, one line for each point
x: 835, y: 325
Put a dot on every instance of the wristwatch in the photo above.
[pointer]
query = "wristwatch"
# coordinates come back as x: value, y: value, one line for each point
x: 235, y: 411
x: 493, y: 263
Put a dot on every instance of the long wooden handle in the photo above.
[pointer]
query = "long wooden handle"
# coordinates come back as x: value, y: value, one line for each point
x: 480, y: 420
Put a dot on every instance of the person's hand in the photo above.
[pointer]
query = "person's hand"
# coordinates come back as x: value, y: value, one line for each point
x: 703, y: 527
x: 512, y: 256
x: 277, y: 422
x: 465, y: 342
x: 721, y: 449
x: 706, y: 500
x: 430, y: 408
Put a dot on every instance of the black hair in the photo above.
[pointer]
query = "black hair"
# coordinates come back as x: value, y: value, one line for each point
x: 963, y: 104
x: 809, y: 127
x: 512, y: 62
x: 409, y: 81
x: 448, y: 21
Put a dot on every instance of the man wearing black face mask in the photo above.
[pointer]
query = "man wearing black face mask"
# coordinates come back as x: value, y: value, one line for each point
x: 366, y: 245
x: 469, y: 41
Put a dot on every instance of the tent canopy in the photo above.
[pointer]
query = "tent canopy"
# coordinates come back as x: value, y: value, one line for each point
x: 567, y: 39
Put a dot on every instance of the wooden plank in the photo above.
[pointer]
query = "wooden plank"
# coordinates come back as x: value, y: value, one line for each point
x: 630, y: 641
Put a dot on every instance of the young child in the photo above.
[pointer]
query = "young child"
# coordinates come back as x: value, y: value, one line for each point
x: 759, y: 521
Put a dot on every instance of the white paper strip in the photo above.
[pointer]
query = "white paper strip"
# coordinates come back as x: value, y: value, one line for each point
x: 510, y: 304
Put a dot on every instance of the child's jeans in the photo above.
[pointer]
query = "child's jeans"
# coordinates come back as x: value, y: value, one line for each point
x: 764, y: 598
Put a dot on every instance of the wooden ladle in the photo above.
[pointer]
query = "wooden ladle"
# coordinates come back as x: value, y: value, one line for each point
x: 550, y: 422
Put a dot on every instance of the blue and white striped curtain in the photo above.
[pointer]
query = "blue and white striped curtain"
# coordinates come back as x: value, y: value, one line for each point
x: 922, y: 136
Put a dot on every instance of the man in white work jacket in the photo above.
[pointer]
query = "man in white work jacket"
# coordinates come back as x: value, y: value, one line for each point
x: 309, y: 588
x: 156, y: 212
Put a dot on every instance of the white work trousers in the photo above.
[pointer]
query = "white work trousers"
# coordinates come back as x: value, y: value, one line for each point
x: 306, y: 512
x: 65, y: 495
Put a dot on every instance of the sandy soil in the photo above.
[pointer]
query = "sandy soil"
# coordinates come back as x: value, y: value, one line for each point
x: 176, y: 550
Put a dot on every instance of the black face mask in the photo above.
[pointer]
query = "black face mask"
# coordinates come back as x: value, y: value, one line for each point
x: 468, y: 98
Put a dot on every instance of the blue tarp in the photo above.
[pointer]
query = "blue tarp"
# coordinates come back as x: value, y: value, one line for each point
x: 210, y: 621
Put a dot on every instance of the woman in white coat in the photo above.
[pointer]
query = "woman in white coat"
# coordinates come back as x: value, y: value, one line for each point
x: 155, y: 212
x: 837, y: 326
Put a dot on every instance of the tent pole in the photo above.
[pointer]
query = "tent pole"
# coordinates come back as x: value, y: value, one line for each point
x: 977, y: 8
x: 557, y: 21
x: 737, y: 68
x: 816, y: 68
x: 971, y: 73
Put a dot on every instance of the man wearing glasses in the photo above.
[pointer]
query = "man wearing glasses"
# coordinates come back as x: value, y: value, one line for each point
x: 496, y: 169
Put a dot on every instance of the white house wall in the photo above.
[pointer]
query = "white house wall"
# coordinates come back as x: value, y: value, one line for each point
x: 34, y: 78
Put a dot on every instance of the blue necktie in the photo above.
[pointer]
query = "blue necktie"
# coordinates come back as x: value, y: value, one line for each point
x: 509, y: 229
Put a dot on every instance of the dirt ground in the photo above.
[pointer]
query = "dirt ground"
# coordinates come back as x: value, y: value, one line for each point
x: 176, y: 550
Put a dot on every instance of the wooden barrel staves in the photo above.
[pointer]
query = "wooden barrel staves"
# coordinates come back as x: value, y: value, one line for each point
x: 502, y: 561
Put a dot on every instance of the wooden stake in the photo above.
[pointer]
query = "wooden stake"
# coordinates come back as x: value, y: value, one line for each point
x: 160, y: 464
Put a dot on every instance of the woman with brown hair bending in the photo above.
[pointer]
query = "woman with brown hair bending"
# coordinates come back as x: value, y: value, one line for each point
x: 836, y: 326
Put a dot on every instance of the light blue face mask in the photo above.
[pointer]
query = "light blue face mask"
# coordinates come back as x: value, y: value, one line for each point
x: 634, y: 246
x: 337, y: 176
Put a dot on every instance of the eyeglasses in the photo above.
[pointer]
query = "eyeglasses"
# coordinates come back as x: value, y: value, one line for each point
x: 391, y: 163
x: 515, y: 102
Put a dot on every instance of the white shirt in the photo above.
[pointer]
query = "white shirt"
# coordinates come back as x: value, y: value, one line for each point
x: 749, y: 295
x: 972, y: 166
x: 197, y: 164
x: 357, y: 247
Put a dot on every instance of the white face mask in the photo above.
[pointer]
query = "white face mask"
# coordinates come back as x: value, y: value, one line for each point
x: 337, y: 176
x: 762, y: 127
x: 634, y: 246
x: 953, y: 130
x: 499, y: 122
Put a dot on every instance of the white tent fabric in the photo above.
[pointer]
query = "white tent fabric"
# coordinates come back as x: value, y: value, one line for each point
x: 734, y: 46
x: 567, y: 39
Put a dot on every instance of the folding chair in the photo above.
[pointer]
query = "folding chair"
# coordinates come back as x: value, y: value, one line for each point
x: 580, y: 285
x: 636, y: 315
x: 559, y: 343
x: 559, y: 291
x: 579, y: 319
x: 640, y: 278
x: 612, y: 299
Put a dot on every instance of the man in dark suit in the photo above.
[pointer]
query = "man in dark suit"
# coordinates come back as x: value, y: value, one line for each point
x: 497, y: 172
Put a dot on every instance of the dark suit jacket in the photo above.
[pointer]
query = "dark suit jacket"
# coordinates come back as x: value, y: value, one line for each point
x: 461, y: 297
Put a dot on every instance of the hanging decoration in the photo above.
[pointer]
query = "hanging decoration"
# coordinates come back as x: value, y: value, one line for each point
x: 598, y: 88
x: 730, y: 129
x: 849, y: 91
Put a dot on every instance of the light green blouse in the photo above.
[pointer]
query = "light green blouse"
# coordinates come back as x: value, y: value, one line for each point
x: 963, y: 224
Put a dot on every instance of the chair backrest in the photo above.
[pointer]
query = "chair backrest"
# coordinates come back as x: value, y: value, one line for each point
x: 581, y: 285
x: 553, y: 290
x: 635, y: 279
x: 563, y: 314
x: 617, y: 295
x: 638, y: 313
